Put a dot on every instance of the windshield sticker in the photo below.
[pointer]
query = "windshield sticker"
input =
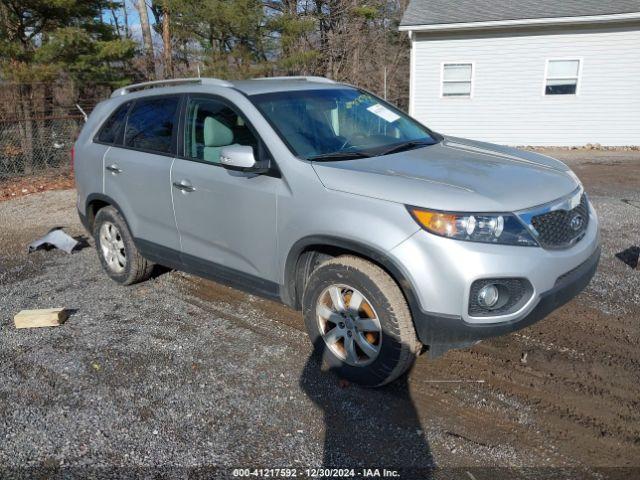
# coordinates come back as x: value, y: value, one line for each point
x: 383, y: 112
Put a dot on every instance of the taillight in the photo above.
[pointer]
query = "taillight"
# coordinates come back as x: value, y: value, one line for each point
x: 73, y: 157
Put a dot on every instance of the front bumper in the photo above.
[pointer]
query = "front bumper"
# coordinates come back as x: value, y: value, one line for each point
x: 441, y: 271
x: 442, y: 332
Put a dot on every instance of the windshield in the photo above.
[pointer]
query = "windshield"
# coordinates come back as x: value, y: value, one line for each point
x: 341, y: 123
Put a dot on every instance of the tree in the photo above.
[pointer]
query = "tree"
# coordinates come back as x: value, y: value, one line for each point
x: 228, y: 37
x: 166, y: 40
x: 146, y: 38
x: 46, y: 40
x: 296, y: 28
x: 348, y: 40
x: 161, y: 11
x: 356, y: 41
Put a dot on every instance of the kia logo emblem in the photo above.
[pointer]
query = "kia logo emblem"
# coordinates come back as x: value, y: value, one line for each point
x: 576, y: 222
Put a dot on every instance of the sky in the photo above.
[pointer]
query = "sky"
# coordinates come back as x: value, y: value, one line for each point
x: 133, y: 17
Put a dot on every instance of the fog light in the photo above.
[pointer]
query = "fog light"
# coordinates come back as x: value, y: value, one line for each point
x: 488, y: 296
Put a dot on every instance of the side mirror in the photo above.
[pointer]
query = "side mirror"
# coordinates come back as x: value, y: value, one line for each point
x: 238, y: 157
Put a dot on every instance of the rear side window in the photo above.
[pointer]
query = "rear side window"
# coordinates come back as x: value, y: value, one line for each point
x: 111, y: 131
x: 151, y: 123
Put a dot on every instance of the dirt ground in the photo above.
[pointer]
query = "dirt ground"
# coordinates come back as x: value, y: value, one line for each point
x: 11, y: 188
x: 180, y: 372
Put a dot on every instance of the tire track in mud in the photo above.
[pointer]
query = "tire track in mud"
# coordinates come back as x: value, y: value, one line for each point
x: 578, y: 385
x: 585, y: 397
x: 574, y: 401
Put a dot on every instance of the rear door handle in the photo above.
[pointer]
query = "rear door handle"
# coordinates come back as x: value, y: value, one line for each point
x: 184, y: 186
x: 113, y: 168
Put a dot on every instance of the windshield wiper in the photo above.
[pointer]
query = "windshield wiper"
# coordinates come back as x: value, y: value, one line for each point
x: 347, y: 155
x: 338, y: 156
x: 406, y: 146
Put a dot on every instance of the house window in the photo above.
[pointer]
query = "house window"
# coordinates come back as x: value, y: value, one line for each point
x: 456, y: 79
x: 562, y: 77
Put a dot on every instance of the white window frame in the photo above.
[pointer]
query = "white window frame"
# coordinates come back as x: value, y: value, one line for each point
x: 473, y: 75
x: 578, y: 78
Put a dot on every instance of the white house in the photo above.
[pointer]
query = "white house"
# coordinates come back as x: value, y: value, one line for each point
x: 527, y: 72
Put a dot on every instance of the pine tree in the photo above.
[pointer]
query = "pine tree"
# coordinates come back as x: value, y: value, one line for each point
x: 42, y: 41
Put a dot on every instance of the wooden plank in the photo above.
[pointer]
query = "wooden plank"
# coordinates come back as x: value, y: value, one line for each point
x: 49, y: 317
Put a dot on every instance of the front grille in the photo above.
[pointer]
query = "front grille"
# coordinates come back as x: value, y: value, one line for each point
x: 562, y: 228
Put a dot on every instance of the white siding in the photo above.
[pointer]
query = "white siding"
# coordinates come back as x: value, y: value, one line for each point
x: 508, y: 105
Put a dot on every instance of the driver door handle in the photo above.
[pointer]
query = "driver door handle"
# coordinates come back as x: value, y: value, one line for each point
x: 184, y: 186
x: 113, y: 168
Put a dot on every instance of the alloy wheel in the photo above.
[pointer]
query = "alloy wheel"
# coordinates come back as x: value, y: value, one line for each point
x: 112, y: 247
x: 349, y: 325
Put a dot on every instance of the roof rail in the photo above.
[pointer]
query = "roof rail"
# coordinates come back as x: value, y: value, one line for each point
x: 309, y: 78
x: 169, y: 83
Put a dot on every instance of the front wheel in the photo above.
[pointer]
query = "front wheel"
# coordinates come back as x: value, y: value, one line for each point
x: 358, y: 319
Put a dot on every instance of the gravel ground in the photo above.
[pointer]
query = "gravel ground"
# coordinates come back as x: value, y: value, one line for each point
x: 180, y: 372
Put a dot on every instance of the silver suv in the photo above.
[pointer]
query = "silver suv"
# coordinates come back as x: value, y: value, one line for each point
x: 392, y: 239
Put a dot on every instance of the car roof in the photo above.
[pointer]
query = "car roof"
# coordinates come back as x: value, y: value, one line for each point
x: 281, y: 84
x: 248, y: 87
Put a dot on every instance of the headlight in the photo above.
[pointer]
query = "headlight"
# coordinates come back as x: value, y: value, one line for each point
x: 505, y: 229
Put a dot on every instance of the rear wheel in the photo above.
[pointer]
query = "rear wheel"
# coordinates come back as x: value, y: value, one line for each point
x: 359, y: 320
x: 118, y: 254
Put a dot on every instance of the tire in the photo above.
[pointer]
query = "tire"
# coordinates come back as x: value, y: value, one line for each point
x: 118, y: 254
x: 395, y: 341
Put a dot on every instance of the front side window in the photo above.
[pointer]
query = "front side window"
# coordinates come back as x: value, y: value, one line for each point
x: 111, y: 131
x: 211, y: 125
x: 457, y: 79
x: 562, y: 77
x: 150, y: 124
x: 340, y: 123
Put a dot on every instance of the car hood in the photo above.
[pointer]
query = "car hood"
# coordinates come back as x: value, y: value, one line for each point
x: 455, y: 174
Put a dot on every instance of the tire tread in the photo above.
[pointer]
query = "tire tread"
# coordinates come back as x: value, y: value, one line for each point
x: 400, y: 320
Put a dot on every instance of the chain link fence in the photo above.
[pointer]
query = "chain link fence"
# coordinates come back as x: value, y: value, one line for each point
x: 34, y: 145
x: 39, y: 122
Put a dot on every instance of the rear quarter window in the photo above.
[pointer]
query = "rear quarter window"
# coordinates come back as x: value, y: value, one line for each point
x: 150, y: 125
x: 112, y: 130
